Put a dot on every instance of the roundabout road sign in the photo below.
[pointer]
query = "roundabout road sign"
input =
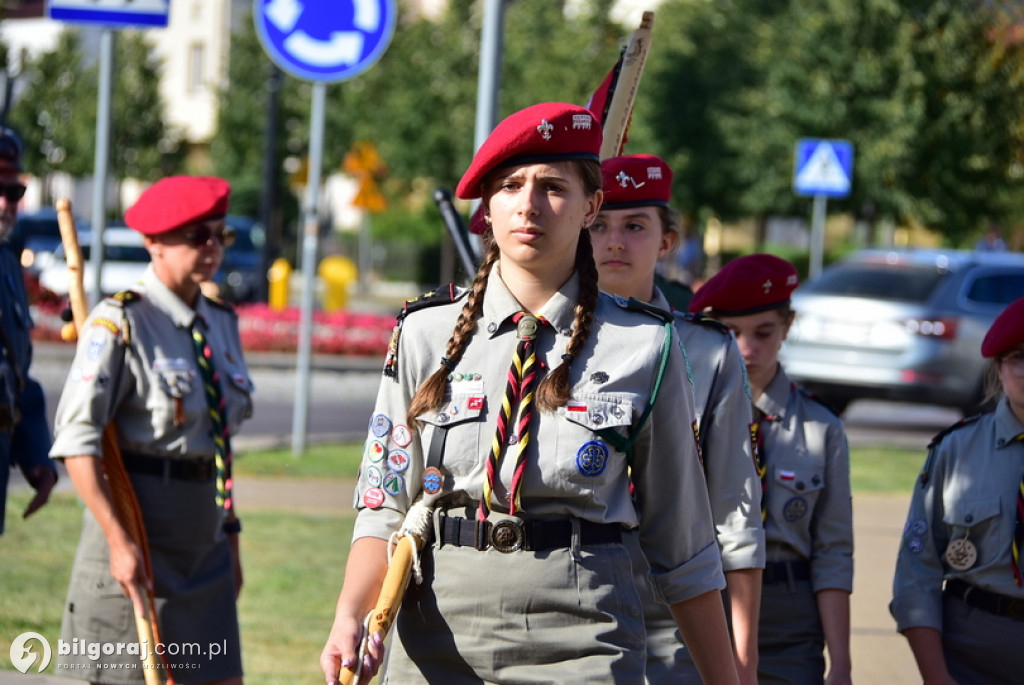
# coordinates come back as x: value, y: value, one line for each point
x: 324, y: 40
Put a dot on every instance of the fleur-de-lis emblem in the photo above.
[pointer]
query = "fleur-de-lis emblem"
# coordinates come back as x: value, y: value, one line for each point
x: 767, y: 285
x: 625, y: 180
x: 545, y: 129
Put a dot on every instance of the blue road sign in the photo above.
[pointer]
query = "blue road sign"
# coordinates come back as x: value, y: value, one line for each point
x: 823, y: 167
x: 151, y: 13
x: 325, y: 40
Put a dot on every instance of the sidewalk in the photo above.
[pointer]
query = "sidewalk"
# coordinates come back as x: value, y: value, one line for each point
x: 880, y: 655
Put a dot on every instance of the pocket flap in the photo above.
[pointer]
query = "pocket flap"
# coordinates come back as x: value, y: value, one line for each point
x: 457, y: 408
x: 970, y: 512
x: 805, y: 479
x: 598, y: 411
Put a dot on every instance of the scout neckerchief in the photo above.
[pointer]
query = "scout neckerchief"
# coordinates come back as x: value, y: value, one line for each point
x: 218, y: 416
x: 1018, y: 531
x: 516, y: 406
x: 757, y: 429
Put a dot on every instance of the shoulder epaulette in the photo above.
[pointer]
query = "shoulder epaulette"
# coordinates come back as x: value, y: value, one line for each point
x: 966, y: 421
x: 122, y: 300
x: 222, y: 304
x: 811, y: 396
x: 703, y: 320
x: 444, y: 295
x: 634, y: 305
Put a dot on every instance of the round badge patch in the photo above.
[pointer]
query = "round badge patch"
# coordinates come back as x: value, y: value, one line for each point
x: 433, y: 481
x: 401, y: 435
x: 398, y: 460
x: 915, y: 545
x: 393, y: 484
x: 375, y: 450
x: 918, y: 527
x: 591, y: 458
x: 373, y: 498
x: 961, y: 554
x: 794, y: 509
x: 380, y: 425
x: 374, y: 477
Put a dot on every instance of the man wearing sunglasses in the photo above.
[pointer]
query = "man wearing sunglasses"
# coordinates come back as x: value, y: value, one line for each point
x: 24, y: 432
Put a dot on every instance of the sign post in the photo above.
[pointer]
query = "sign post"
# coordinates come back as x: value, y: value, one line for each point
x: 321, y: 41
x: 822, y: 169
x: 110, y: 14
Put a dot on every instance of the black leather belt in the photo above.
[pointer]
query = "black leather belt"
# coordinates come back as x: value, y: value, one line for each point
x: 1000, y: 605
x: 192, y: 470
x: 510, y: 535
x: 786, y: 571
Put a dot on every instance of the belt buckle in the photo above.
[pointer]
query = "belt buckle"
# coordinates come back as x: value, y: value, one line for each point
x: 507, y: 536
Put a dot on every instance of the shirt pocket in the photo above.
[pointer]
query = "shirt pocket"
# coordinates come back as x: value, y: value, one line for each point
x: 978, y: 521
x: 462, y: 417
x: 583, y: 456
x: 797, y: 488
x: 238, y: 391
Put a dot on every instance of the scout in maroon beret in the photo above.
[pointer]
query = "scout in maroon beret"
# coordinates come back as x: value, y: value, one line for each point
x: 182, y: 219
x: 747, y: 285
x: 1004, y: 345
x: 11, y: 187
x: 537, y: 363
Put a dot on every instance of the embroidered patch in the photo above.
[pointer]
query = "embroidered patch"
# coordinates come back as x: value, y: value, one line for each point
x: 794, y: 509
x: 917, y: 526
x: 96, y: 345
x: 380, y: 425
x: 375, y: 450
x: 591, y: 458
x: 106, y: 323
x: 373, y: 498
x: 374, y: 477
x: 398, y: 460
x: 915, y: 545
x: 401, y: 435
x: 393, y: 484
x: 433, y: 481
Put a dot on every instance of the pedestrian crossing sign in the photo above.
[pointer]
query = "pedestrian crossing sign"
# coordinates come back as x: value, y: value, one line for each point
x: 823, y: 167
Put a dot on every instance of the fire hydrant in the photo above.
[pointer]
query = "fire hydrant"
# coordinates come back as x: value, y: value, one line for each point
x: 337, y: 274
x: 279, y: 277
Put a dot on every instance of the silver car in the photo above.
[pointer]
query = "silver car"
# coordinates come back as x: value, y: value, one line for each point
x: 903, y: 325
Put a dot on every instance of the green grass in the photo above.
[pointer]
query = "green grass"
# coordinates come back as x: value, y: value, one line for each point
x: 319, y: 461
x: 293, y: 562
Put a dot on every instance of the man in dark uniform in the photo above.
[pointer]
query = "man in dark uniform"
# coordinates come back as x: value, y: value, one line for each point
x: 24, y: 433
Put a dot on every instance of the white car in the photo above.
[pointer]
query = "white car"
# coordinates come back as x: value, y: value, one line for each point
x: 125, y: 259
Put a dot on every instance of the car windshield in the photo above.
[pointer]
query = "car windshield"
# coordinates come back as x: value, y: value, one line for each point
x: 878, y: 281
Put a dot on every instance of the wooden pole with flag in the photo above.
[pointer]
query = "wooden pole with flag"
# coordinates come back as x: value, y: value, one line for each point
x: 126, y: 505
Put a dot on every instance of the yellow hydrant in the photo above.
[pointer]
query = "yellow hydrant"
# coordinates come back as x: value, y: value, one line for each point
x: 279, y: 276
x: 337, y: 273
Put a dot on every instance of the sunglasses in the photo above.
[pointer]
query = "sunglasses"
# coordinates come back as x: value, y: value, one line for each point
x: 200, y: 235
x: 1014, y: 361
x: 12, y: 192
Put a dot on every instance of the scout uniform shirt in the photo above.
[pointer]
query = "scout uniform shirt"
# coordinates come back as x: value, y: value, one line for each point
x: 809, y: 510
x: 571, y: 471
x: 136, y: 365
x: 722, y: 396
x: 967, y: 490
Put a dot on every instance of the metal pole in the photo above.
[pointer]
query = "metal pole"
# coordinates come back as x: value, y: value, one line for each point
x: 268, y: 200
x: 817, y: 236
x: 309, y: 245
x: 100, y: 164
x: 365, y: 253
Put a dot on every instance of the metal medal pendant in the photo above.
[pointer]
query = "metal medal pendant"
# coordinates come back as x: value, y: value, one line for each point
x: 961, y: 554
x: 526, y: 329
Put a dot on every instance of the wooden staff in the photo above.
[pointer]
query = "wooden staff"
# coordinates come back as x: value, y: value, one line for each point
x: 620, y: 105
x: 126, y: 505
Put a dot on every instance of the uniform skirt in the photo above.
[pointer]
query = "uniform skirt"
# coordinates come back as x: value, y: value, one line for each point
x: 979, y: 646
x: 790, y: 641
x: 195, y: 593
x: 568, y: 615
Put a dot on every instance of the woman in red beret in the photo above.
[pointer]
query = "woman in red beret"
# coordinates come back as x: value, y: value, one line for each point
x: 805, y: 467
x: 163, y: 364
x: 958, y: 595
x: 516, y: 409
x: 635, y: 228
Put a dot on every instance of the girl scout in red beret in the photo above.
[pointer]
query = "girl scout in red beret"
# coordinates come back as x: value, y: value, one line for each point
x: 805, y: 466
x: 139, y: 366
x: 634, y: 229
x: 958, y: 595
x: 516, y: 401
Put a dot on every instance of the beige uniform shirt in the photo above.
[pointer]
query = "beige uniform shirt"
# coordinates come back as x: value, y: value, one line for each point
x: 151, y: 383
x: 724, y: 415
x: 571, y: 470
x: 808, y: 499
x: 967, y: 491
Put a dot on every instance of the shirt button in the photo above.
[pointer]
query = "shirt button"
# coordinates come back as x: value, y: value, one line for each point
x: 442, y: 418
x: 968, y: 519
x: 491, y: 327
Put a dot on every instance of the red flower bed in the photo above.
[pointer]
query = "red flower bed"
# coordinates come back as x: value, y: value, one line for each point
x: 346, y: 333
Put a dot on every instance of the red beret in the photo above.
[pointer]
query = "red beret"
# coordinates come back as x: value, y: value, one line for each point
x: 1007, y: 330
x: 747, y: 285
x: 636, y: 181
x: 178, y: 201
x: 10, y: 152
x: 548, y: 132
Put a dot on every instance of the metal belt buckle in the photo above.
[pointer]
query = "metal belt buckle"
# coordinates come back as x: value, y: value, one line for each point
x: 507, y: 536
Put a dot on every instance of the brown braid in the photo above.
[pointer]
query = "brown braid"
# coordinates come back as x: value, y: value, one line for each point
x: 430, y: 395
x: 554, y: 391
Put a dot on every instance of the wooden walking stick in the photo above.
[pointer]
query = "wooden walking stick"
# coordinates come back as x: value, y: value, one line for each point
x: 126, y: 505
